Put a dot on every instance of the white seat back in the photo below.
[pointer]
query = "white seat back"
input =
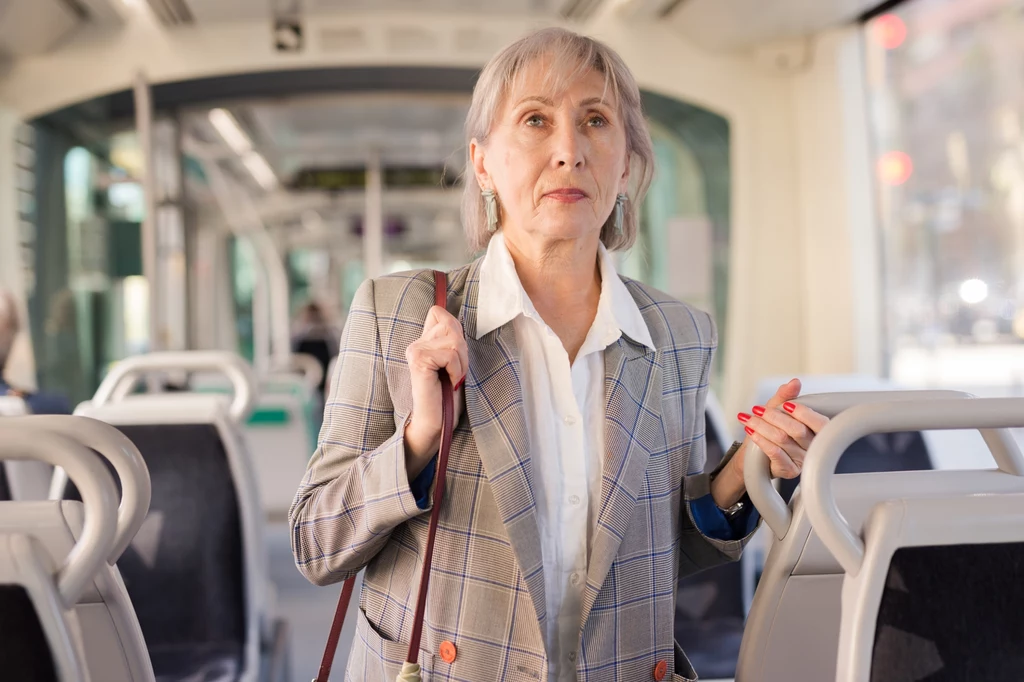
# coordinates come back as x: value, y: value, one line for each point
x: 792, y: 630
x: 114, y: 647
x: 40, y: 590
x: 932, y: 581
x: 205, y: 524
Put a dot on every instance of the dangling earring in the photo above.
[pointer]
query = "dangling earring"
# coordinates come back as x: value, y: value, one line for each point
x: 620, y: 213
x: 491, y: 209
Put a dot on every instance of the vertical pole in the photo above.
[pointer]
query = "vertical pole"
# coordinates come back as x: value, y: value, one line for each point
x: 373, y: 225
x: 144, y: 129
x: 261, y: 317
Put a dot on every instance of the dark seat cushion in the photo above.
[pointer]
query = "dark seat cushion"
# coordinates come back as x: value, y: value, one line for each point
x: 185, y: 569
x: 24, y: 651
x: 5, y: 488
x: 950, y: 614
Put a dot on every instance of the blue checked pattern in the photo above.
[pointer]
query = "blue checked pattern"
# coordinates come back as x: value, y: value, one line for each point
x: 355, y: 510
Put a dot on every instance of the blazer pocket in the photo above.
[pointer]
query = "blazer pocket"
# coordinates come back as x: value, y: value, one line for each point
x: 376, y: 658
x: 683, y: 670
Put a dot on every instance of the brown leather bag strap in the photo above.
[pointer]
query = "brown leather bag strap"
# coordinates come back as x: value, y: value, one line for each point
x: 447, y: 428
x: 324, y: 675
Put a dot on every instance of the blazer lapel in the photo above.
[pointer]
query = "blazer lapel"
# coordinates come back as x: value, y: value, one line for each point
x: 494, y: 405
x: 632, y: 431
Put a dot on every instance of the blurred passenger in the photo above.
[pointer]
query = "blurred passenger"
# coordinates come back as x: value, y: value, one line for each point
x: 315, y: 336
x: 38, y: 403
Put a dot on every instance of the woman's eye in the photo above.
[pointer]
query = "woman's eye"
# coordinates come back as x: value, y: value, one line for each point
x: 597, y: 121
x: 534, y: 121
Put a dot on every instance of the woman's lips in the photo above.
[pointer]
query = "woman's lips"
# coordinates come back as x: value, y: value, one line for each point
x: 569, y: 196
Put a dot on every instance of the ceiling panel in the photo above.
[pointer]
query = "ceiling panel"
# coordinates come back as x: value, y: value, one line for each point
x: 737, y: 24
x: 229, y: 10
x: 32, y: 27
x: 238, y: 10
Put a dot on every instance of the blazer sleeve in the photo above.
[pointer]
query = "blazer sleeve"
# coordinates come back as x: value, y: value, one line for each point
x: 700, y: 551
x: 356, y: 488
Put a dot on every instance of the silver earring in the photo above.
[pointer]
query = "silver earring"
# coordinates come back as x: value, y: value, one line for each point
x: 491, y: 209
x: 620, y: 213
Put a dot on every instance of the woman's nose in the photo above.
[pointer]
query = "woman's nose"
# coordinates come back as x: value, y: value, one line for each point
x: 569, y: 147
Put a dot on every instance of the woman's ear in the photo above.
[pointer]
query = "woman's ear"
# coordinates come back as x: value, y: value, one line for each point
x: 476, y: 157
x: 624, y: 180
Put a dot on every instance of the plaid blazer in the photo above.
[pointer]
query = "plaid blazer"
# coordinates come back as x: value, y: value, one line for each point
x: 354, y: 508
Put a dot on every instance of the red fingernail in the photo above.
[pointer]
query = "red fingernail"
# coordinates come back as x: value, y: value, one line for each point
x: 759, y: 411
x: 789, y: 407
x: 743, y: 417
x: 748, y: 430
x: 459, y: 385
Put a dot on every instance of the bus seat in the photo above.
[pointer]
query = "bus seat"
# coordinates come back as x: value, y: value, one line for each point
x: 938, y: 596
x: 114, y: 647
x: 931, y: 585
x: 711, y: 607
x: 43, y: 638
x: 198, y: 579
x: 281, y: 432
x: 793, y: 628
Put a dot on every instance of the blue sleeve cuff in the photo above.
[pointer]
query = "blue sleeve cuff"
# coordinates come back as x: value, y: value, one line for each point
x: 420, y: 486
x: 712, y: 521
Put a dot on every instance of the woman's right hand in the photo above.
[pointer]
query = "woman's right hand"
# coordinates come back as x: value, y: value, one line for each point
x: 442, y: 345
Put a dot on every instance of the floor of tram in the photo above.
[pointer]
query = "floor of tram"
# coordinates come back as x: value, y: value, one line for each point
x: 308, y: 609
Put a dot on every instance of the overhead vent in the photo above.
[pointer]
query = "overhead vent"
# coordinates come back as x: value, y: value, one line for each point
x: 343, y: 39
x: 77, y: 8
x: 98, y: 12
x: 580, y: 10
x: 172, y: 12
x: 474, y: 40
x: 648, y: 9
x: 411, y: 39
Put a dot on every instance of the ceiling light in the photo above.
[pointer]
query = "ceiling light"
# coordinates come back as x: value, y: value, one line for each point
x: 232, y: 133
x: 260, y: 170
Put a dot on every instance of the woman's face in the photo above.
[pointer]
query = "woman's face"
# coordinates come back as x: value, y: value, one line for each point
x: 556, y: 160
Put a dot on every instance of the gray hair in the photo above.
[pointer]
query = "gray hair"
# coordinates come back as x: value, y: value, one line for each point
x: 8, y: 325
x: 579, y: 54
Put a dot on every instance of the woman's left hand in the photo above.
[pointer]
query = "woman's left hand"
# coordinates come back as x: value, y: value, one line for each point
x: 783, y: 430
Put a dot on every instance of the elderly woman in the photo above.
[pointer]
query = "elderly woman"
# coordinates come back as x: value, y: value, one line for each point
x: 575, y: 498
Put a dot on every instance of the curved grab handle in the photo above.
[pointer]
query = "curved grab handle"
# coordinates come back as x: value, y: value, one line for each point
x: 98, y: 493
x: 130, y: 370
x: 757, y: 467
x: 862, y: 420
x: 312, y: 370
x: 110, y: 443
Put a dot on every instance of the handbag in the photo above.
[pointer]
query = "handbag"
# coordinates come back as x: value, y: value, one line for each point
x: 410, y: 671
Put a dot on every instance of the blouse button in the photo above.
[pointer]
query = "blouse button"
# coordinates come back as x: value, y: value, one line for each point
x: 659, y: 671
x: 448, y: 652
